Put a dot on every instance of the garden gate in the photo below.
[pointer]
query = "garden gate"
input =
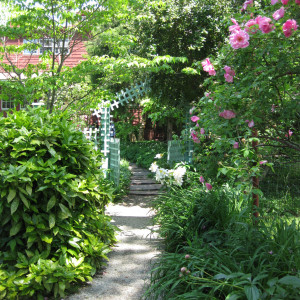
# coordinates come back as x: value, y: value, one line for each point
x: 111, y: 147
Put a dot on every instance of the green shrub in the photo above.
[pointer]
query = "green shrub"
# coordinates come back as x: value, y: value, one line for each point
x: 53, y: 229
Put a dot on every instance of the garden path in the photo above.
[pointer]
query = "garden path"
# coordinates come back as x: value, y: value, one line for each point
x: 128, y: 271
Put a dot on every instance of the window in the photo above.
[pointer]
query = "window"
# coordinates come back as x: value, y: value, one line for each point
x: 46, y: 45
x: 6, y: 105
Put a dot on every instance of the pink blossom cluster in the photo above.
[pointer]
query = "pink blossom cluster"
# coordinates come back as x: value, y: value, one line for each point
x: 229, y: 74
x: 208, y: 185
x: 195, y: 138
x: 239, y: 38
x: 227, y: 114
x: 289, y: 26
x: 250, y: 123
x: 208, y: 67
x: 246, y: 4
x: 284, y: 2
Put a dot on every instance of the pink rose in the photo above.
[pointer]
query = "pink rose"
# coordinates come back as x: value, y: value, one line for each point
x: 274, y: 2
x: 208, y: 186
x: 264, y: 24
x: 234, y: 21
x: 234, y: 28
x: 229, y: 74
x: 251, y: 23
x: 195, y: 118
x: 202, y: 131
x: 239, y: 39
x: 278, y: 14
x: 288, y: 26
x: 201, y: 179
x: 192, y: 109
x: 208, y: 67
x: 262, y: 162
x: 236, y: 145
x: 290, y: 132
x: 297, y: 2
x: 227, y: 114
x: 246, y: 3
x: 285, y: 2
x: 251, y: 124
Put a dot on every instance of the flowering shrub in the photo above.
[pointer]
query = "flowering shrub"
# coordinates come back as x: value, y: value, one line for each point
x: 255, y: 101
x: 168, y: 177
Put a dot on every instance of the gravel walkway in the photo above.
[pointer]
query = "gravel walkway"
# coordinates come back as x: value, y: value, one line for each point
x: 128, y: 271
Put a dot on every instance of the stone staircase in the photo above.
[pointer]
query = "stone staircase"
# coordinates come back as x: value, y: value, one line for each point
x: 141, y: 184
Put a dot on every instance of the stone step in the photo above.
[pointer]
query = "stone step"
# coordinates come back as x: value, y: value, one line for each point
x: 147, y: 187
x: 143, y: 181
x: 145, y: 193
x: 141, y: 173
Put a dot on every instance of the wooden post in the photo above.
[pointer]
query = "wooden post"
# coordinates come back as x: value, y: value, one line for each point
x: 255, y: 179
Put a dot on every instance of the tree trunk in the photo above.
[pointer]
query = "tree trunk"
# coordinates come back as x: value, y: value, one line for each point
x: 169, y: 129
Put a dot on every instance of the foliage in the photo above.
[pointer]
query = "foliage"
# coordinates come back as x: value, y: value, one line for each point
x: 53, y: 229
x: 64, y: 23
x: 143, y: 153
x: 214, y: 252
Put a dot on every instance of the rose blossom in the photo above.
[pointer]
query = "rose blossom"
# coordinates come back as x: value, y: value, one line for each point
x: 285, y: 2
x: 297, y: 2
x: 201, y: 179
x: 246, y: 3
x: 208, y: 186
x: 251, y: 124
x: 229, y: 74
x: 202, y: 131
x: 278, y: 14
x: 239, y: 39
x: 262, y: 162
x: 227, y: 114
x: 288, y: 26
x: 195, y: 118
x: 236, y: 145
x: 208, y: 67
x: 274, y: 2
x: 264, y: 24
x: 249, y: 24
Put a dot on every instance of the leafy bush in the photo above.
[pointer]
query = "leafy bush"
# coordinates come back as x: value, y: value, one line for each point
x: 143, y: 153
x: 53, y: 228
x: 213, y: 251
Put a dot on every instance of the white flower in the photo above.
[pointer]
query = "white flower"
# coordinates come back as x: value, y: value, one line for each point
x: 153, y: 167
x: 159, y: 155
x: 161, y: 174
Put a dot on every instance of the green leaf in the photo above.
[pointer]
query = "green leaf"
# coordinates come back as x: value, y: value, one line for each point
x: 29, y: 189
x: 246, y: 153
x: 24, y: 200
x: 74, y: 244
x: 290, y: 280
x: 251, y: 292
x: 14, y: 206
x: 51, y: 221
x: 65, y: 211
x: 11, y: 195
x: 51, y: 203
x: 15, y: 229
x: 47, y: 239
